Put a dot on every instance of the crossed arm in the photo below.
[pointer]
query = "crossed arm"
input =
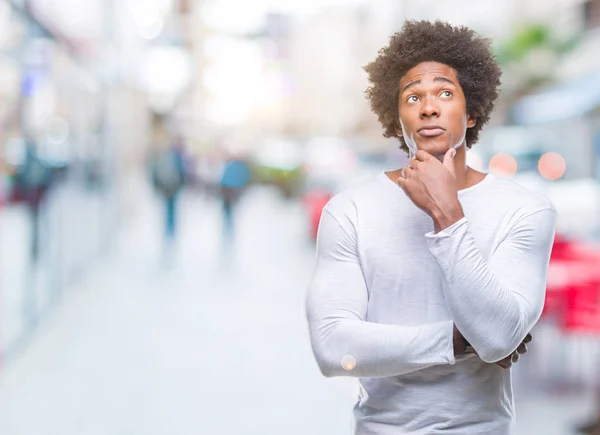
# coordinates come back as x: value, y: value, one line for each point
x: 494, y: 304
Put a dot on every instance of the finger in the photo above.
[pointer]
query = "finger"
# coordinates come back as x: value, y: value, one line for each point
x: 413, y: 164
x: 449, y: 160
x: 522, y: 348
x: 409, y: 172
x: 528, y: 338
x: 423, y: 156
x: 505, y: 363
x: 515, y: 357
x: 401, y: 181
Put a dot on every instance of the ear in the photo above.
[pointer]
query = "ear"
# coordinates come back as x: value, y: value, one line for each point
x: 398, y: 129
x: 471, y: 122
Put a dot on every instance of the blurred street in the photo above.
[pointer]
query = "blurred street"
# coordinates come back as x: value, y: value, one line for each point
x: 144, y: 348
x: 164, y: 165
x: 213, y: 342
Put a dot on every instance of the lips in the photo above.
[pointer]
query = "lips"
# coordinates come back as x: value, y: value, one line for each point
x: 431, y: 131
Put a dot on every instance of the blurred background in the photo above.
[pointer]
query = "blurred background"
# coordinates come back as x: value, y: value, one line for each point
x: 164, y: 164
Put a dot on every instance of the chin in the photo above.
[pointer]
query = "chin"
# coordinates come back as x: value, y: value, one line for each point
x: 434, y: 148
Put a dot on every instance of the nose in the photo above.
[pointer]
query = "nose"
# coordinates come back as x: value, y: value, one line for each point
x: 429, y: 108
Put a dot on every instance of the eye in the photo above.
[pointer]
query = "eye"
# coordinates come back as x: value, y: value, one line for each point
x: 446, y: 94
x: 412, y: 99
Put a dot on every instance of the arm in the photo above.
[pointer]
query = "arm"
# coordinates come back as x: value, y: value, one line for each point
x: 336, y: 308
x: 496, y: 303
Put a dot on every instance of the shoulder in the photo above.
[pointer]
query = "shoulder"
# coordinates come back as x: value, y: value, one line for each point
x: 346, y: 203
x: 525, y: 209
x: 516, y: 196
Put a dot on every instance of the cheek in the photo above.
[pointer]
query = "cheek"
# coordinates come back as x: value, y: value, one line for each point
x: 405, y: 117
x: 462, y: 109
x: 458, y: 117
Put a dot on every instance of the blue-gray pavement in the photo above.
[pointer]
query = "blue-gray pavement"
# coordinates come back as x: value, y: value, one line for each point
x: 212, y: 342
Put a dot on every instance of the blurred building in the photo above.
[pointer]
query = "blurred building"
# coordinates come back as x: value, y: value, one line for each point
x: 563, y: 115
x: 81, y: 83
x: 321, y: 55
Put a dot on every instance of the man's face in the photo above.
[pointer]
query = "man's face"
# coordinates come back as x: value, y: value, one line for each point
x: 432, y: 108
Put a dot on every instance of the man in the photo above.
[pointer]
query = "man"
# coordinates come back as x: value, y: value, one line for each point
x: 234, y: 181
x: 168, y: 178
x: 428, y: 279
x: 33, y: 180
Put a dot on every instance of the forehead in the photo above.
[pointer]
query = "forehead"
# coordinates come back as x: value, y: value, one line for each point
x: 428, y: 71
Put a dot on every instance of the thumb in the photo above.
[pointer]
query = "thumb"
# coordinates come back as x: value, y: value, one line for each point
x: 449, y: 160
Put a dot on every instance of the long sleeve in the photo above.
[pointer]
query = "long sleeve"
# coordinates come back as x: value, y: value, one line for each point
x: 343, y: 342
x: 495, y: 303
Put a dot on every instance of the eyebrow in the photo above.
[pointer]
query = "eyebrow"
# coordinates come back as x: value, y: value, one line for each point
x: 435, y: 79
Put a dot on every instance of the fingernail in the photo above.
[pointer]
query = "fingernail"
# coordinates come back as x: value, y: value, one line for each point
x: 453, y: 153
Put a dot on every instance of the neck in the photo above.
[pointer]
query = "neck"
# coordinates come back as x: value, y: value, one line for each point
x: 461, y: 169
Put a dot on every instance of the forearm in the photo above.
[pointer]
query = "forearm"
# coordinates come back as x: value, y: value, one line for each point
x: 445, y: 216
x: 344, y: 347
x: 491, y: 306
x: 493, y: 321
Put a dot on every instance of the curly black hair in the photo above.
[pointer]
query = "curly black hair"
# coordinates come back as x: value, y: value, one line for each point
x: 422, y: 41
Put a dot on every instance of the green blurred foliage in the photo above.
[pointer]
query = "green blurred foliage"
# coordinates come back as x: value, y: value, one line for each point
x: 530, y: 37
x: 514, y: 54
x: 288, y: 181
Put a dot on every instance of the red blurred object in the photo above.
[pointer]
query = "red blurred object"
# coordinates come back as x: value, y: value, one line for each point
x: 314, y: 202
x: 573, y: 290
x: 582, y: 312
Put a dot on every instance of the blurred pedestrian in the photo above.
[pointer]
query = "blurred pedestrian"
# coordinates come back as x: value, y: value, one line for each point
x: 33, y: 179
x: 429, y: 278
x: 168, y: 177
x: 234, y: 180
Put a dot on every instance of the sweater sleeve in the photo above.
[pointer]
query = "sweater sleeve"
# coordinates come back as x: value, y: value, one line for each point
x: 495, y: 303
x: 343, y: 342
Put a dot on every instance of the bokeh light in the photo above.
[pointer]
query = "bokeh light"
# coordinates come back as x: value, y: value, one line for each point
x: 57, y: 130
x: 552, y: 166
x: 503, y: 164
x: 348, y: 362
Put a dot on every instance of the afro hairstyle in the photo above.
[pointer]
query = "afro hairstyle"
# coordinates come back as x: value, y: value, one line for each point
x: 425, y: 41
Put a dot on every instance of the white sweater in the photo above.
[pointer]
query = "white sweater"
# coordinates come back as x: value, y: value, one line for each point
x: 386, y: 292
